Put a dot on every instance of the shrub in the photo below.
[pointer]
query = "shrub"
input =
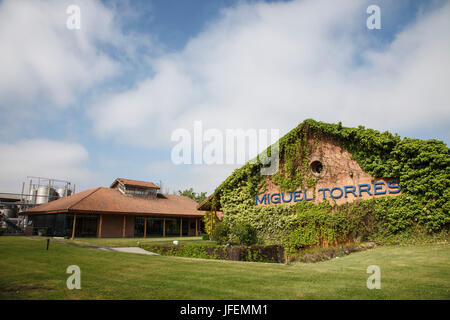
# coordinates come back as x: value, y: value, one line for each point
x: 220, y: 233
x: 268, y: 253
x: 205, y: 237
x: 244, y: 234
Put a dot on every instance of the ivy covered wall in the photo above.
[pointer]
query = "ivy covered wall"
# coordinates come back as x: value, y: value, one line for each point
x: 422, y: 168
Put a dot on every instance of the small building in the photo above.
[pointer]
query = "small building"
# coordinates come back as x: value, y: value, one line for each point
x: 128, y: 208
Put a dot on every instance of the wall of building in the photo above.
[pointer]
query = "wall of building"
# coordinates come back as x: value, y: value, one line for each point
x: 339, y: 170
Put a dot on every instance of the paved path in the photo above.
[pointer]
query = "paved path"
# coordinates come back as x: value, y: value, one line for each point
x: 129, y: 250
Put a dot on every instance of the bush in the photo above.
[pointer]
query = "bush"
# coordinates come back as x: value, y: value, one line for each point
x: 192, y: 251
x: 220, y: 233
x: 268, y: 253
x: 205, y: 237
x: 243, y: 234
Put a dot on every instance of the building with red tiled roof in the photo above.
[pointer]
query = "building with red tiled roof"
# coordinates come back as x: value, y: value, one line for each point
x: 129, y: 208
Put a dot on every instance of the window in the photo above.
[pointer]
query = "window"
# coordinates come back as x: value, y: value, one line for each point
x: 139, y: 226
x: 140, y: 192
x: 316, y: 168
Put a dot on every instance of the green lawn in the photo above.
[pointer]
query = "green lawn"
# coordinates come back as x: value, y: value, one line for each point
x: 28, y: 271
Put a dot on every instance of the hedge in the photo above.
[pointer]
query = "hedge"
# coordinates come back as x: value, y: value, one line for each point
x: 263, y: 253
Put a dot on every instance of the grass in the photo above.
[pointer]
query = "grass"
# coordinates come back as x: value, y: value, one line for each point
x: 28, y: 271
x: 133, y: 242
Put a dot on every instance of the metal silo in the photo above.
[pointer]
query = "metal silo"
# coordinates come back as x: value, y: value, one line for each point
x: 61, y: 192
x: 42, y: 193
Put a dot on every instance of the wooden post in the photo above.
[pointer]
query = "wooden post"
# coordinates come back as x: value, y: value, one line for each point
x: 73, y: 225
x: 100, y: 227
x: 211, y: 222
x: 145, y: 227
x: 181, y: 227
x: 164, y: 227
x: 124, y: 224
x: 196, y: 227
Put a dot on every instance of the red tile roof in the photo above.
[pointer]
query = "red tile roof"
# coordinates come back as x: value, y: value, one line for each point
x: 135, y: 183
x: 112, y: 201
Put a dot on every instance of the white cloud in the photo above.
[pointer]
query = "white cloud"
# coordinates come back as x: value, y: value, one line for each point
x: 203, y: 178
x: 43, y: 62
x: 273, y: 65
x: 43, y: 158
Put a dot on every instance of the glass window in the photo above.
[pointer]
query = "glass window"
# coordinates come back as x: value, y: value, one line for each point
x: 155, y: 226
x: 185, y: 227
x: 85, y: 226
x: 172, y: 226
x: 139, y: 227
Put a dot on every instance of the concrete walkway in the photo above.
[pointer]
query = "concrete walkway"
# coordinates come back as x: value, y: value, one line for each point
x: 129, y: 250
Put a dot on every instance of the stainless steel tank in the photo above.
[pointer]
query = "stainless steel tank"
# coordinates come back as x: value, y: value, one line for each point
x: 42, y: 193
x: 61, y: 192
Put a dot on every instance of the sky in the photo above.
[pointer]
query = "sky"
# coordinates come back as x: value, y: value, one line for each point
x: 91, y: 104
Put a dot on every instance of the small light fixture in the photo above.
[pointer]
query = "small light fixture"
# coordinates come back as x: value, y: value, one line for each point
x: 351, y: 174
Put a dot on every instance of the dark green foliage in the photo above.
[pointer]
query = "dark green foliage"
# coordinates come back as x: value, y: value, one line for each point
x: 205, y: 237
x: 266, y: 253
x: 192, y: 251
x: 239, y: 233
x: 383, y: 220
x: 220, y: 233
x: 315, y: 225
x: 199, y: 197
x: 243, y: 234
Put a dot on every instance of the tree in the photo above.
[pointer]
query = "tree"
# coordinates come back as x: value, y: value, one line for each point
x: 199, y: 197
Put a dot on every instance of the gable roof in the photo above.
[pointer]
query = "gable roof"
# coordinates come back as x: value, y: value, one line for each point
x: 111, y: 201
x: 135, y: 183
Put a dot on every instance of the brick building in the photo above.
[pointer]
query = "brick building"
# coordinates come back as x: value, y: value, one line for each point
x: 337, y: 177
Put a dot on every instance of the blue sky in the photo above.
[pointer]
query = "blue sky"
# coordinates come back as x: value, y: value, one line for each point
x: 98, y: 103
